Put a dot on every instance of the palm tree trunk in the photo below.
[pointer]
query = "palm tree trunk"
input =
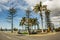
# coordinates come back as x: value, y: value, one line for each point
x: 28, y: 14
x: 28, y: 25
x: 41, y: 20
x: 28, y: 30
x: 38, y: 27
x: 48, y: 22
x: 12, y: 24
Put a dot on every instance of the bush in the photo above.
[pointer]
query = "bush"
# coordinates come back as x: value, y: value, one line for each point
x: 15, y: 29
x: 34, y: 32
x: 57, y: 29
x: 22, y: 32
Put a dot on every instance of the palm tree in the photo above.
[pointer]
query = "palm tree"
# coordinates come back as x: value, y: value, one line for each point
x: 39, y: 8
x: 22, y: 22
x: 28, y: 16
x: 47, y: 13
x: 25, y: 22
x: 35, y: 22
x: 12, y: 13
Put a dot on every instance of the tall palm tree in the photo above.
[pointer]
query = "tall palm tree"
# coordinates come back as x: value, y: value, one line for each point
x: 28, y: 16
x: 27, y: 20
x: 39, y: 8
x: 12, y: 13
x: 47, y: 13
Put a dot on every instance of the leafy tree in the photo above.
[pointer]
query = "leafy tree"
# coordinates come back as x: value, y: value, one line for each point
x: 22, y: 22
x: 35, y: 22
x: 15, y: 29
x: 5, y: 29
x: 1, y: 29
x: 12, y: 14
x: 32, y: 22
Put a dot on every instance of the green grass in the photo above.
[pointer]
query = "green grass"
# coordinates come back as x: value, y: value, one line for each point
x: 24, y: 32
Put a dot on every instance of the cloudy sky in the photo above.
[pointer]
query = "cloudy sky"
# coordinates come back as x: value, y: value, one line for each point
x: 22, y: 5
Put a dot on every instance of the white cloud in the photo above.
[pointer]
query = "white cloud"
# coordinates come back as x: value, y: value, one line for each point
x: 4, y: 7
x: 11, y: 3
x: 52, y: 4
x: 21, y: 7
x: 33, y: 2
x: 0, y: 9
x: 4, y: 1
x: 16, y: 4
x: 55, y: 19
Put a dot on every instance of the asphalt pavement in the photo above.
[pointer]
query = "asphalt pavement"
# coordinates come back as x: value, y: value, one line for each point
x: 4, y: 36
